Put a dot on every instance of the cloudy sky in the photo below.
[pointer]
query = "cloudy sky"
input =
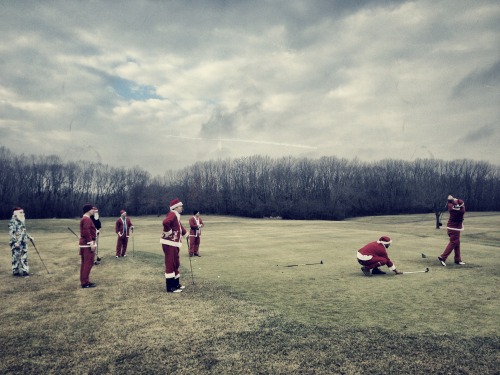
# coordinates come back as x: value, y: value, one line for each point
x: 163, y: 84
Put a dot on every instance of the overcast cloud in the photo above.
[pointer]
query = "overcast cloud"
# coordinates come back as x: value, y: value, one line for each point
x: 163, y: 84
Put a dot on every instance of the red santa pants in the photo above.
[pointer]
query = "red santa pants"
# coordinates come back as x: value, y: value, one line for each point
x: 454, y: 244
x: 121, y: 245
x: 374, y: 262
x: 172, y: 261
x: 87, y: 256
x: 194, y: 245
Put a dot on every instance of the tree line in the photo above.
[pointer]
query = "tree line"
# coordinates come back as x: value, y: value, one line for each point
x: 328, y: 188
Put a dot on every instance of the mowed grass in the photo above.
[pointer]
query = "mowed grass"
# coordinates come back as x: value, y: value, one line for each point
x: 247, y: 313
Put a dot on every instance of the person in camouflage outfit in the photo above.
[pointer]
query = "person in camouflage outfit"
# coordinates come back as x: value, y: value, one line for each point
x: 18, y: 243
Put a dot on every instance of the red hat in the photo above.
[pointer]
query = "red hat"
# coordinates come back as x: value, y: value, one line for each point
x: 175, y: 203
x: 384, y: 240
x: 86, y: 208
x: 122, y: 212
x: 16, y: 209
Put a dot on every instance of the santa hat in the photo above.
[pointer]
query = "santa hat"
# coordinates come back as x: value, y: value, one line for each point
x: 384, y: 240
x: 122, y: 212
x: 175, y: 203
x: 16, y: 209
x: 95, y: 208
x: 450, y: 197
x: 87, y: 208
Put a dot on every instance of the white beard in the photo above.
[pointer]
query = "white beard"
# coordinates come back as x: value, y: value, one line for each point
x: 20, y: 216
x: 96, y: 216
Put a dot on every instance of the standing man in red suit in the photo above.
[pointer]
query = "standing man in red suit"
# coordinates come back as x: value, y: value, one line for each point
x: 195, y: 224
x: 455, y: 225
x: 171, y: 242
x: 123, y: 226
x: 374, y: 255
x: 87, y: 246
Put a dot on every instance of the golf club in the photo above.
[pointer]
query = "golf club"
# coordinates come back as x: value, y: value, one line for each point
x: 71, y: 230
x: 303, y: 264
x: 425, y: 271
x: 190, y: 264
x: 39, y: 256
x: 133, y: 242
x: 96, y: 262
x: 441, y: 214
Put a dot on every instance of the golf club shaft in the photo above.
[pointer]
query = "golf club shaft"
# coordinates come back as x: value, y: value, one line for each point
x: 190, y: 264
x: 71, y: 230
x: 39, y: 256
x: 303, y: 264
x: 425, y: 271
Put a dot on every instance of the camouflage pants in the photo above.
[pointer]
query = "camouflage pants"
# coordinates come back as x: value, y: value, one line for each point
x: 20, y: 260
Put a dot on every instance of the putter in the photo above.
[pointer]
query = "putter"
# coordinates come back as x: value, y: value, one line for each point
x: 190, y: 264
x: 133, y: 243
x: 97, y: 244
x: 71, y: 230
x: 303, y: 264
x: 39, y: 256
x: 97, y: 250
x: 425, y: 271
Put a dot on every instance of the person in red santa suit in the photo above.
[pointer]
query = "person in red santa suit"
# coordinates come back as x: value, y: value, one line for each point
x: 374, y: 255
x: 171, y: 242
x: 123, y: 226
x: 195, y: 224
x: 456, y: 208
x: 87, y: 246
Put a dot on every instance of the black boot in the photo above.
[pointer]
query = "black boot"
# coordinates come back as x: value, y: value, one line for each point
x: 377, y: 271
x: 171, y: 286
x: 178, y: 284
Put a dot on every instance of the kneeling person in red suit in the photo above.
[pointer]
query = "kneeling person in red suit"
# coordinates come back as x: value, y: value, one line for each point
x: 374, y: 255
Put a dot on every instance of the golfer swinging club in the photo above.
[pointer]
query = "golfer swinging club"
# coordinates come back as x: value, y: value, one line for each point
x: 455, y: 225
x: 374, y: 255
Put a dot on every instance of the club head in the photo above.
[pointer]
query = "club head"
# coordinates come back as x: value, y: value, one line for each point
x: 424, y: 256
x: 321, y: 262
x: 427, y: 269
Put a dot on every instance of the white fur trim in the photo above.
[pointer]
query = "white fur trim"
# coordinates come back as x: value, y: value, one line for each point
x: 169, y: 275
x: 384, y: 243
x: 392, y: 268
x: 458, y: 230
x: 364, y: 257
x: 175, y: 206
x: 171, y: 243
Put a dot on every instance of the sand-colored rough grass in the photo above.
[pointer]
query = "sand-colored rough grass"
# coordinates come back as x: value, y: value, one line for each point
x: 248, y: 313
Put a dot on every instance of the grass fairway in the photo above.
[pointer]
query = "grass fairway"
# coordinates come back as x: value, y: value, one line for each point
x: 249, y: 314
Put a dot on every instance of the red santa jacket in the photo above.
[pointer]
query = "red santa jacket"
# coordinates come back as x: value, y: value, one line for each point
x: 374, y: 249
x: 119, y: 226
x: 87, y: 232
x: 195, y: 227
x: 173, y: 231
x: 456, y: 208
